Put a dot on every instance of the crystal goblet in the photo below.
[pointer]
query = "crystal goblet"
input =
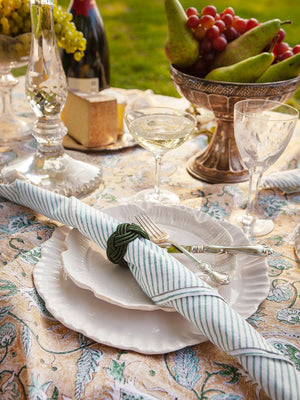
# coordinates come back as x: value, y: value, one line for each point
x: 159, y: 129
x: 262, y: 129
x: 14, y: 53
x: 46, y: 90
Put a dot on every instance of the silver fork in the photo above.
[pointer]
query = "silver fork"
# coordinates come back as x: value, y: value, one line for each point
x: 158, y: 236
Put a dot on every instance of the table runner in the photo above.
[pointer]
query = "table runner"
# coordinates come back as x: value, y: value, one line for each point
x: 190, y: 296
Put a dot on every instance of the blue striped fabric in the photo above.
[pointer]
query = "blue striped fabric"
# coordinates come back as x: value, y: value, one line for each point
x: 167, y: 282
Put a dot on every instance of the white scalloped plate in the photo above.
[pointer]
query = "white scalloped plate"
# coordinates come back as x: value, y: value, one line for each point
x: 87, y: 264
x: 154, y: 332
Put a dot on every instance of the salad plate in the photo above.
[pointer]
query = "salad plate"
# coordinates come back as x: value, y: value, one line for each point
x: 87, y: 264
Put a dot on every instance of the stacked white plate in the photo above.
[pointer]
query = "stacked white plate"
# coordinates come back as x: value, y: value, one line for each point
x: 89, y: 294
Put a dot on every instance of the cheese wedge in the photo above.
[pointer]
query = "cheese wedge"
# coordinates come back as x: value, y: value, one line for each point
x: 91, y: 119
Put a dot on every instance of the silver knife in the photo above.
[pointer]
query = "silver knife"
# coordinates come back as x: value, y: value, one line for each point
x: 252, y: 250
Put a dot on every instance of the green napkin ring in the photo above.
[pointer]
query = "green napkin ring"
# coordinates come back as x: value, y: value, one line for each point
x: 118, y: 241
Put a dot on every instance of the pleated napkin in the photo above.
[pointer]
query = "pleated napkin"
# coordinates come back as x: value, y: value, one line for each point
x: 167, y: 282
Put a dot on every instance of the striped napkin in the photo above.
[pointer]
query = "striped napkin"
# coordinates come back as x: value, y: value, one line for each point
x: 167, y: 282
x: 288, y: 181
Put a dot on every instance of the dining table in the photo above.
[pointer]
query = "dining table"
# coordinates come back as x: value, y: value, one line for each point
x: 99, y: 348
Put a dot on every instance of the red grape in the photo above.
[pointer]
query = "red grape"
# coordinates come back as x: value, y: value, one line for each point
x: 296, y: 49
x: 191, y: 11
x: 209, y: 10
x: 227, y: 19
x: 220, y: 43
x: 251, y: 23
x: 239, y: 24
x: 212, y: 33
x: 207, y: 21
x: 231, y: 34
x: 286, y: 54
x: 193, y: 21
x: 281, y: 47
x: 221, y: 25
x: 199, y: 32
x: 229, y: 10
x: 281, y: 35
x: 206, y: 45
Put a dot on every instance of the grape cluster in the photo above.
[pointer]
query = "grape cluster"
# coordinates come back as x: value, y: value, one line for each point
x: 14, y: 17
x: 15, y: 20
x: 283, y: 50
x: 68, y: 37
x: 215, y: 30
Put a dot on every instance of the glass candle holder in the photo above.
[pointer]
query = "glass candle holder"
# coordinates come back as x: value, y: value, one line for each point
x: 46, y: 90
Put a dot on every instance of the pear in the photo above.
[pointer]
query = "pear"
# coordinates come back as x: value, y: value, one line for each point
x: 248, y: 70
x: 249, y: 44
x: 181, y: 48
x: 283, y: 70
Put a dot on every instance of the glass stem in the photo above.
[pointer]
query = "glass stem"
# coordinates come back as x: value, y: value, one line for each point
x: 254, y: 182
x: 6, y: 103
x: 157, y: 176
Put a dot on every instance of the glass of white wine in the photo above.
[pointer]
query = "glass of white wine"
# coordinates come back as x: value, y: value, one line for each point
x: 159, y: 129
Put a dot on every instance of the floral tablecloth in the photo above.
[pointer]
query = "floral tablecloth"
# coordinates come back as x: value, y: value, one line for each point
x: 42, y: 359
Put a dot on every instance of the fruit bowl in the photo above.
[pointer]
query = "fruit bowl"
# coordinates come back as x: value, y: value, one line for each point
x: 220, y: 162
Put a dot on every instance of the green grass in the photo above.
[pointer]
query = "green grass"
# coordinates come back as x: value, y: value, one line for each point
x: 137, y: 31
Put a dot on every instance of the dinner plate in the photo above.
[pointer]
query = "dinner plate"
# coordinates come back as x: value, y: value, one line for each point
x: 154, y: 332
x: 146, y: 332
x: 87, y: 264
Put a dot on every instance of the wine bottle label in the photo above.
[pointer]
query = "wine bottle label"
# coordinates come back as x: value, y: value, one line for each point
x: 84, y: 84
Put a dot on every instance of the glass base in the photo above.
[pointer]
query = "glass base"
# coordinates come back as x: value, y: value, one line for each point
x: 262, y: 227
x: 165, y: 197
x: 254, y: 228
x: 13, y: 128
x: 63, y: 175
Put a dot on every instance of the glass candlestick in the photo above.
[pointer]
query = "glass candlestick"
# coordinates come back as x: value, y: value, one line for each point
x: 46, y: 90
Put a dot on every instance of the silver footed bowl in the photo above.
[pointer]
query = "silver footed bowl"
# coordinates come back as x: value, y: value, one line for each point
x: 220, y: 162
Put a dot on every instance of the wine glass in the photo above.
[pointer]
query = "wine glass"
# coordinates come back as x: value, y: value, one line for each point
x: 262, y: 129
x: 46, y: 90
x: 14, y: 53
x: 159, y: 129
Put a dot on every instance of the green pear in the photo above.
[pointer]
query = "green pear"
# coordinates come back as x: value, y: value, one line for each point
x: 283, y: 70
x: 248, y: 70
x: 181, y: 48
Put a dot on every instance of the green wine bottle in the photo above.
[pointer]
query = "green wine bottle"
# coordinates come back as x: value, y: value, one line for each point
x: 91, y: 73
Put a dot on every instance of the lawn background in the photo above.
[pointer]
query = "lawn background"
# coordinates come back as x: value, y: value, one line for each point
x: 137, y: 31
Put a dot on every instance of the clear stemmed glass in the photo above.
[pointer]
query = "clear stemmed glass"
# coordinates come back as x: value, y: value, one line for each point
x: 46, y: 90
x: 262, y: 129
x: 159, y: 129
x: 14, y: 53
